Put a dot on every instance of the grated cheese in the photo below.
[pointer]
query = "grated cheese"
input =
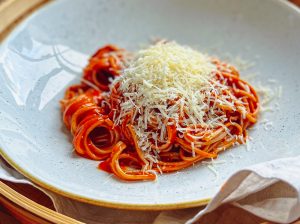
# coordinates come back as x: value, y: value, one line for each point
x: 167, y: 72
x: 212, y: 166
x: 215, y: 172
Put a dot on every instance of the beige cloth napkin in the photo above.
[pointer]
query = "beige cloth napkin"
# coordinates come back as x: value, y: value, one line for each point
x: 269, y: 190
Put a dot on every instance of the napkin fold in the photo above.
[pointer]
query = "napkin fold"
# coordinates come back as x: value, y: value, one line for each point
x: 269, y: 190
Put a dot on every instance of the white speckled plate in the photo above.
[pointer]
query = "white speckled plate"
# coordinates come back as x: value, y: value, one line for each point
x: 47, y: 52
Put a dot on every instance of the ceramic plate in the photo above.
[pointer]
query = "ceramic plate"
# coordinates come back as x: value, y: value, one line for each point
x: 47, y: 52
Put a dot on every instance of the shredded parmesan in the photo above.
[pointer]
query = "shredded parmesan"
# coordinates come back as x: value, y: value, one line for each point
x: 215, y: 172
x: 164, y: 73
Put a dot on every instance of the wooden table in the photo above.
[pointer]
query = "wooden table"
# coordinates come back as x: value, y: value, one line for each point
x: 20, y: 203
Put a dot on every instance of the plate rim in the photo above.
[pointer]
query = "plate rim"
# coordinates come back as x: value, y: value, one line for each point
x: 100, y: 202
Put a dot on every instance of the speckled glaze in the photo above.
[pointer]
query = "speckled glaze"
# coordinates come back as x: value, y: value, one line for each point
x: 47, y: 52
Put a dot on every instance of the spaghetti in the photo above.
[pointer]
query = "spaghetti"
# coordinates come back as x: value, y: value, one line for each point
x: 138, y: 126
